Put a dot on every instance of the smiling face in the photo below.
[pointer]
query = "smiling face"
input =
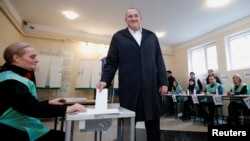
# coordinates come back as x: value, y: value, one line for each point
x: 133, y: 19
x: 236, y: 80
x: 212, y: 80
x: 26, y: 58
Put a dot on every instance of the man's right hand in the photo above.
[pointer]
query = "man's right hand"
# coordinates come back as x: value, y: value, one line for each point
x: 100, y: 85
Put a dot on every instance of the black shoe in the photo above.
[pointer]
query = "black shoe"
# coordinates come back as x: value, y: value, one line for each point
x: 185, y: 118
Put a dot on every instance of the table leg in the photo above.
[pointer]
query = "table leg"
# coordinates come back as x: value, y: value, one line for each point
x: 119, y: 129
x: 69, y: 130
x: 132, y: 129
x: 230, y: 116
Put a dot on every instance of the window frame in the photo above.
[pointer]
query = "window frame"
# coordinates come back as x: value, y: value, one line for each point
x: 205, y: 48
x: 228, y: 48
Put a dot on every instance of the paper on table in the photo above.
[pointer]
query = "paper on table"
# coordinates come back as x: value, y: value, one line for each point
x: 101, y: 101
x: 75, y: 99
x: 99, y: 112
x: 247, y: 102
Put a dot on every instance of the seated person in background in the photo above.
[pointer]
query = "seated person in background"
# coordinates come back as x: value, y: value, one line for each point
x: 176, y: 89
x: 170, y: 103
x: 187, y: 105
x: 212, y: 88
x: 211, y: 72
x: 196, y: 80
x: 19, y: 105
x: 238, y: 88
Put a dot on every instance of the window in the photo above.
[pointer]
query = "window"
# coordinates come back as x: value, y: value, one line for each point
x: 203, y: 58
x: 238, y: 50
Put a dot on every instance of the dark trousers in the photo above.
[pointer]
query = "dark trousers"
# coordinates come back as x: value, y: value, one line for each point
x: 208, y: 109
x: 169, y: 105
x: 14, y: 134
x: 53, y: 135
x: 187, y: 106
x: 234, y: 113
x: 153, y: 129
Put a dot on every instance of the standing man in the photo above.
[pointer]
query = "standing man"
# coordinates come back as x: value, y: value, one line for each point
x: 171, y: 79
x: 169, y: 101
x: 136, y: 52
x: 197, y: 81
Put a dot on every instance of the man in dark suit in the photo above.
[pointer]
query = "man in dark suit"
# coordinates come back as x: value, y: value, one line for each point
x: 136, y: 52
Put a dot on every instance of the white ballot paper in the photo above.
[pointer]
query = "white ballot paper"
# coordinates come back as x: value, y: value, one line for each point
x: 101, y: 101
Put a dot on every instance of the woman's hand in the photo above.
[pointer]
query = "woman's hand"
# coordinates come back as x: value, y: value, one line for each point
x: 57, y: 101
x: 76, y: 108
x: 101, y: 85
x: 229, y: 93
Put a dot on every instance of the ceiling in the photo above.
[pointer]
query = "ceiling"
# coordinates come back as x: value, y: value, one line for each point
x: 182, y: 20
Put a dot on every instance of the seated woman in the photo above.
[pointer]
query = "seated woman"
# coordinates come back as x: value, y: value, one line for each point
x: 176, y: 90
x: 187, y: 105
x: 209, y: 107
x: 238, y: 88
x: 20, y: 109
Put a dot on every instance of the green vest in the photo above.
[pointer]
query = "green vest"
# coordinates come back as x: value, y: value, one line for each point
x: 239, y: 100
x: 211, y: 90
x: 178, y: 91
x: 10, y: 117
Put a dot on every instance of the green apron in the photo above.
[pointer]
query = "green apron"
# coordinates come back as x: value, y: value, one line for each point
x: 211, y: 90
x: 10, y: 117
x: 239, y: 100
